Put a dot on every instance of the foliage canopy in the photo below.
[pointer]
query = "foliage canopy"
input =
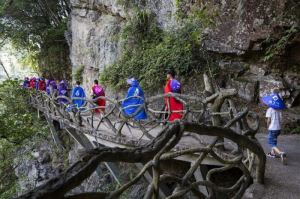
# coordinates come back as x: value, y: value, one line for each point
x: 18, y: 125
x: 37, y: 28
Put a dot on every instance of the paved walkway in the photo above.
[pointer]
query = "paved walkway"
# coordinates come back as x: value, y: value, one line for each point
x: 282, y: 181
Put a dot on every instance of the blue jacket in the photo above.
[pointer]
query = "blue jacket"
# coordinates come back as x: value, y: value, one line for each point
x: 78, y: 92
x: 134, y: 90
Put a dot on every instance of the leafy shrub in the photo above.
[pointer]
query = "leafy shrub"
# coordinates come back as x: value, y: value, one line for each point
x: 18, y: 126
x: 78, y: 73
x: 296, y: 130
x: 277, y: 48
x: 148, y: 51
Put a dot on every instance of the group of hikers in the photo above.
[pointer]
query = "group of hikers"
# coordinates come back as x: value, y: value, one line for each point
x: 132, y: 105
x: 60, y: 90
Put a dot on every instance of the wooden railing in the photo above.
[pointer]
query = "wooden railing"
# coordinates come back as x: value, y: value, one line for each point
x: 232, y: 143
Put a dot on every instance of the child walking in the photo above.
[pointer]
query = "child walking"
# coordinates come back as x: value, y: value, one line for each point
x: 274, y: 119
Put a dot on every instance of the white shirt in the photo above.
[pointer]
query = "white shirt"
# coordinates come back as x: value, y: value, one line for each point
x: 276, y: 117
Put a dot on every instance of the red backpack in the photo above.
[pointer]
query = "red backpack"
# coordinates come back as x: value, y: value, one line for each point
x: 42, y: 85
x: 32, y: 83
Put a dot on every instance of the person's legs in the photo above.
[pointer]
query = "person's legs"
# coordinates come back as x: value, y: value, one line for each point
x: 272, y: 140
x: 273, y: 135
x: 275, y: 148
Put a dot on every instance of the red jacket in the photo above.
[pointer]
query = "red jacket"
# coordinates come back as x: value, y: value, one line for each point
x: 175, y: 105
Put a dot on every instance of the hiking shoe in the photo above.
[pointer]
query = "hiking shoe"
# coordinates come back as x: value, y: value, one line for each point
x: 271, y: 155
x: 283, y: 158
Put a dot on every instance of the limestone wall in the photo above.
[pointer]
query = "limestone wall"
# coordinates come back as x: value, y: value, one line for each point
x: 242, y: 29
x: 95, y: 27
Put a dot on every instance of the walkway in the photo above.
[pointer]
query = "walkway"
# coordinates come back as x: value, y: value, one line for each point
x: 281, y: 182
x: 195, y: 140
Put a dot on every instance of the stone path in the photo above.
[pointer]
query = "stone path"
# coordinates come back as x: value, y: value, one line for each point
x: 282, y: 181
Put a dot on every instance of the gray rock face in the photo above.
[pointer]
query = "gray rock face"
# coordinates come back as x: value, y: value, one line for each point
x: 93, y: 42
x: 244, y: 23
x: 292, y: 79
x: 94, y: 182
x: 44, y: 165
x: 247, y: 89
x: 258, y: 69
x: 95, y: 27
x: 39, y: 168
x: 270, y: 83
x: 240, y: 29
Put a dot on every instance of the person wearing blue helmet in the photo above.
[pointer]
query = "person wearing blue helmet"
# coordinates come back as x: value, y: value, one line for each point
x: 274, y: 120
x: 134, y: 101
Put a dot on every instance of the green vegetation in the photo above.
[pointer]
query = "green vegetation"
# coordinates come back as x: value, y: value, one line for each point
x: 148, y: 51
x: 36, y: 28
x: 131, y: 3
x: 296, y: 130
x: 78, y: 73
x: 18, y: 126
x: 277, y: 48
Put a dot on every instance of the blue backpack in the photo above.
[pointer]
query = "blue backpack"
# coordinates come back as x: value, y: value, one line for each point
x: 78, y: 92
x: 175, y: 86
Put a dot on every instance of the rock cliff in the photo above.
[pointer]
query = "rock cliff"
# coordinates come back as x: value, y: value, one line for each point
x: 256, y: 43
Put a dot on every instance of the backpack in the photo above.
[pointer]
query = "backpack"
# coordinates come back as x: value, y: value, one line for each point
x: 32, y: 83
x: 78, y: 92
x: 175, y: 86
x: 98, y: 90
x: 42, y: 85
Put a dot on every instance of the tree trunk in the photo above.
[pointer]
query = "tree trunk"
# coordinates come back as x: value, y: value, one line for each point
x: 2, y: 65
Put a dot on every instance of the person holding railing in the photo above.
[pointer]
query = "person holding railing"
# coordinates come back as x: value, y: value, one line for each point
x: 174, y: 106
x: 134, y: 101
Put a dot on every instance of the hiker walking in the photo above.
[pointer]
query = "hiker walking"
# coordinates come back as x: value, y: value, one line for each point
x: 171, y: 103
x: 26, y: 83
x: 78, y: 95
x: 96, y: 92
x: 274, y: 118
x: 63, y: 91
x: 32, y: 83
x: 52, y: 88
x: 134, y: 101
x: 48, y: 86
